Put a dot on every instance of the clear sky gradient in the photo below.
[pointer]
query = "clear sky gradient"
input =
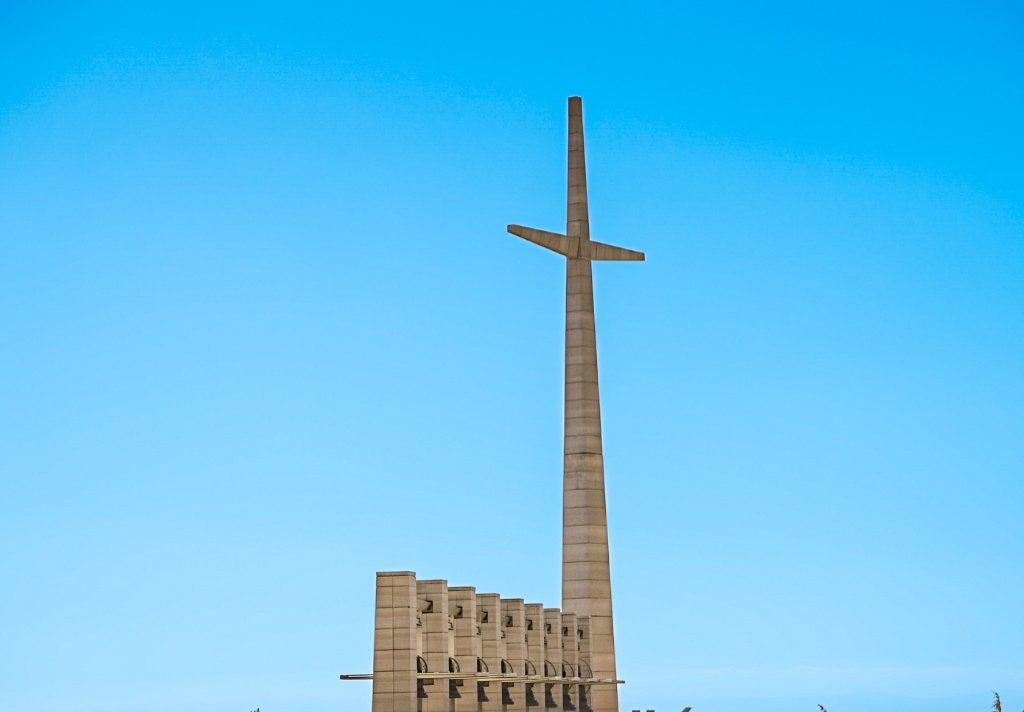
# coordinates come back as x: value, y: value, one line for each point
x: 263, y: 334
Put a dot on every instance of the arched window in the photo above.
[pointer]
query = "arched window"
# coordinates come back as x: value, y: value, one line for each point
x: 421, y: 664
x: 481, y: 666
x: 453, y: 665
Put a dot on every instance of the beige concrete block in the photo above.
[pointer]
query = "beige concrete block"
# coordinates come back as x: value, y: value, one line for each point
x: 404, y: 596
x: 579, y: 481
x: 383, y: 702
x: 436, y: 661
x: 602, y: 642
x: 595, y: 604
x: 384, y: 619
x: 575, y: 481
x: 585, y: 463
x: 437, y: 619
x: 590, y: 497
x: 383, y: 639
x: 383, y: 684
x: 580, y: 385
x: 577, y: 286
x: 581, y: 317
x: 603, y: 664
x: 493, y: 703
x: 576, y: 590
x: 392, y: 576
x: 586, y: 570
x: 577, y: 194
x: 435, y: 645
x: 383, y: 661
x: 584, y: 533
x: 579, y: 390
x: 601, y: 625
x: 580, y: 354
x: 437, y: 697
x: 432, y: 585
x: 588, y: 516
x: 583, y: 425
x: 404, y: 617
x: 385, y: 597
x: 604, y: 698
x: 581, y: 335
x: 403, y: 580
x: 583, y: 443
x: 581, y: 232
x: 587, y: 409
x: 405, y: 681
x: 593, y: 552
x: 404, y: 638
x: 405, y: 661
x: 406, y: 702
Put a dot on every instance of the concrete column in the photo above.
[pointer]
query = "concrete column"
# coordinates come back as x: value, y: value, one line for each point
x: 571, y: 658
x: 394, y: 643
x: 462, y: 605
x: 535, y: 652
x: 492, y: 645
x: 553, y: 657
x: 437, y: 638
x: 586, y: 697
x: 513, y: 622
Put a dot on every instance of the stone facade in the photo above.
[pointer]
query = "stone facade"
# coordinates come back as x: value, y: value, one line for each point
x: 450, y: 649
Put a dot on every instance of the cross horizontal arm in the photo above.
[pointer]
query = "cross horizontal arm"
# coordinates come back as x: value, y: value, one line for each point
x: 553, y: 241
x: 601, y: 251
x: 574, y: 247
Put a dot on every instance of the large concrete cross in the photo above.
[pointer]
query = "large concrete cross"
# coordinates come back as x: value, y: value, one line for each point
x: 586, y: 579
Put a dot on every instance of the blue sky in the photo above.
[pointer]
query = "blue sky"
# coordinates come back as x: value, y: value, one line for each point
x: 254, y: 277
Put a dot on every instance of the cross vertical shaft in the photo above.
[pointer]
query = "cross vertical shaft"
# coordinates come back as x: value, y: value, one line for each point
x: 586, y: 578
x: 586, y: 575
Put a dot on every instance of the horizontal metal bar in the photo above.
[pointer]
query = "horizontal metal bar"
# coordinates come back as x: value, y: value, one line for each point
x: 497, y: 677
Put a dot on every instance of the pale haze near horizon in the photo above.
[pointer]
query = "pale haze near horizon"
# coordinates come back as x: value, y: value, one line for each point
x: 254, y: 279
